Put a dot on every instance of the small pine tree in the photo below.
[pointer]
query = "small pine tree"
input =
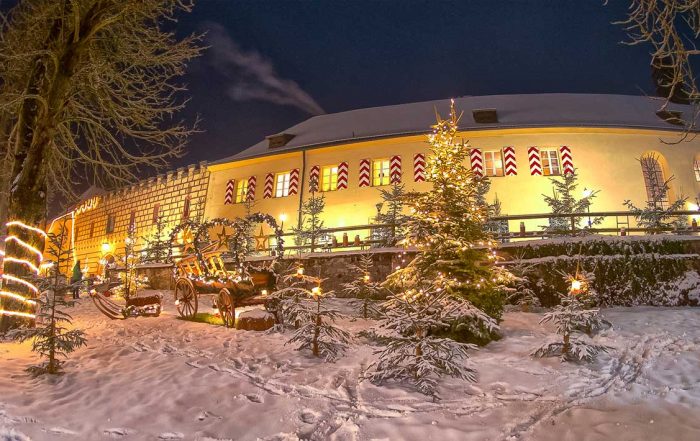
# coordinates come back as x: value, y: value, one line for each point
x: 363, y: 289
x: 575, y: 325
x: 309, y: 235
x: 656, y: 216
x: 131, y: 282
x: 415, y: 352
x: 565, y: 201
x: 51, y: 338
x: 394, y: 201
x: 522, y: 294
x: 302, y: 302
x: 157, y: 244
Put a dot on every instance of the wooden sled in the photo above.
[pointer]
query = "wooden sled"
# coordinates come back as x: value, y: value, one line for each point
x: 149, y: 306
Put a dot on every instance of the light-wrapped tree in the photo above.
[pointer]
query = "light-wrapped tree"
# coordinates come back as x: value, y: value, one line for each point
x: 363, y: 289
x: 51, y: 337
x: 157, y: 243
x: 565, y: 201
x: 308, y: 234
x: 451, y: 290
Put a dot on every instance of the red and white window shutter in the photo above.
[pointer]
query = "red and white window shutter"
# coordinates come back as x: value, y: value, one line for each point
x: 510, y: 165
x: 395, y: 170
x: 567, y: 162
x: 365, y: 173
x: 477, y: 160
x: 314, y: 177
x: 269, y: 184
x: 230, y: 190
x: 251, y: 188
x: 342, y: 176
x: 294, y: 181
x: 533, y: 157
x: 419, y: 167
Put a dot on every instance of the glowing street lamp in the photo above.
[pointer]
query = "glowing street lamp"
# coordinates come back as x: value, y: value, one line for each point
x: 283, y: 217
x: 106, y: 247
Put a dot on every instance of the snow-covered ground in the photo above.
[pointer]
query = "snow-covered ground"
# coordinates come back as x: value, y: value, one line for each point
x: 163, y: 378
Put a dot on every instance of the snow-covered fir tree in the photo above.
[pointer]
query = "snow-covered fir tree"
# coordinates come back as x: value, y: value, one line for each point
x: 416, y: 352
x: 564, y: 200
x: 656, y: 216
x: 50, y: 337
x: 301, y: 302
x: 451, y: 290
x: 393, y: 200
x: 130, y: 281
x: 157, y: 243
x: 364, y: 290
x: 575, y: 325
x: 309, y: 235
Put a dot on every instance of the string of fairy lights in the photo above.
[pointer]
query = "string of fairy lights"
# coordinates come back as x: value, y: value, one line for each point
x: 5, y: 291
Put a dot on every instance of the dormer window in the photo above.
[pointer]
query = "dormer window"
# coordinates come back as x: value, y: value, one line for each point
x: 279, y: 140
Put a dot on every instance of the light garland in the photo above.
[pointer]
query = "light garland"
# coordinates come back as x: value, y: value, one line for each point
x: 22, y: 281
x: 27, y: 227
x: 23, y: 262
x: 27, y: 246
x: 17, y: 297
x: 17, y: 313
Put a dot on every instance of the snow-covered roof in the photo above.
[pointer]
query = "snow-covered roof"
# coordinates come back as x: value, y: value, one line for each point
x: 513, y: 111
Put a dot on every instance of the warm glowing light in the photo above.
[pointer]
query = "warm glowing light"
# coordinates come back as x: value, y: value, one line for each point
x: 316, y: 290
x: 283, y: 217
x: 300, y: 271
x: 25, y: 226
x: 263, y: 292
x: 575, y: 285
x: 24, y: 244
x: 17, y: 297
x: 18, y: 280
x: 106, y: 247
x: 366, y: 277
x: 23, y: 262
x: 18, y: 314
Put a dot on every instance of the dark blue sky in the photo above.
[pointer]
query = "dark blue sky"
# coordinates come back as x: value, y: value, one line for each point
x: 344, y: 55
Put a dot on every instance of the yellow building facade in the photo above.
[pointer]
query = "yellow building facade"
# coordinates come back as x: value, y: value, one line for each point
x: 518, y: 141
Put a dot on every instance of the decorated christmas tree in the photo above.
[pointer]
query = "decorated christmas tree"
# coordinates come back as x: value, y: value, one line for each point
x: 51, y: 337
x: 363, y: 289
x: 564, y: 200
x: 575, y: 326
x: 452, y: 289
x: 301, y: 302
x: 130, y: 281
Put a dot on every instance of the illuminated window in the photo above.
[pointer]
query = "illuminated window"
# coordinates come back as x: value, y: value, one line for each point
x: 241, y: 191
x: 493, y: 163
x: 110, y: 224
x: 329, y: 178
x: 550, y: 162
x: 281, y: 185
x: 696, y: 168
x: 380, y: 172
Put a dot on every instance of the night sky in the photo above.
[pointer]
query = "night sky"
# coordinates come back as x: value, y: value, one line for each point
x: 273, y: 64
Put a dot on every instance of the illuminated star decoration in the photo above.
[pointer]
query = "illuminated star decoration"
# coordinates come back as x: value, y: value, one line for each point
x: 260, y: 240
x: 222, y: 239
x: 186, y: 239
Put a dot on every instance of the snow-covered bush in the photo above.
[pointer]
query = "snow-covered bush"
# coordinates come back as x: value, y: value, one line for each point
x: 623, y: 271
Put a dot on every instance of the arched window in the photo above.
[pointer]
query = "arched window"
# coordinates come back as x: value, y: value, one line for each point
x: 654, y: 180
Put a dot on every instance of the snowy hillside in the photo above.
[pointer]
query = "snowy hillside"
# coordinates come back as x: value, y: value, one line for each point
x: 163, y: 378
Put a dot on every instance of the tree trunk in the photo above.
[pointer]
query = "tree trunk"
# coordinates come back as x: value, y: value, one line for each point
x: 566, y: 348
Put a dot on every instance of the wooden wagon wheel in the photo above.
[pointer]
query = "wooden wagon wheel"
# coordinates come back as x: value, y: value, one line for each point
x: 227, y: 309
x: 185, y: 298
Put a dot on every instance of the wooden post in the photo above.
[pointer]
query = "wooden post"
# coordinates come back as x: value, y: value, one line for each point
x: 522, y: 228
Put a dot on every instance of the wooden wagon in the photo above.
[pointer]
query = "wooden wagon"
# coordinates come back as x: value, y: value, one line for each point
x: 230, y: 287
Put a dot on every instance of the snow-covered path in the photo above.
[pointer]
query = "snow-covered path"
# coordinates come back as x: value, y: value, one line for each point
x: 162, y: 378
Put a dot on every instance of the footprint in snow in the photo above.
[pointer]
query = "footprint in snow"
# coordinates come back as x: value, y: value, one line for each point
x: 116, y: 431
x: 309, y: 416
x: 171, y: 435
x: 62, y: 431
x: 203, y: 415
x: 255, y: 398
